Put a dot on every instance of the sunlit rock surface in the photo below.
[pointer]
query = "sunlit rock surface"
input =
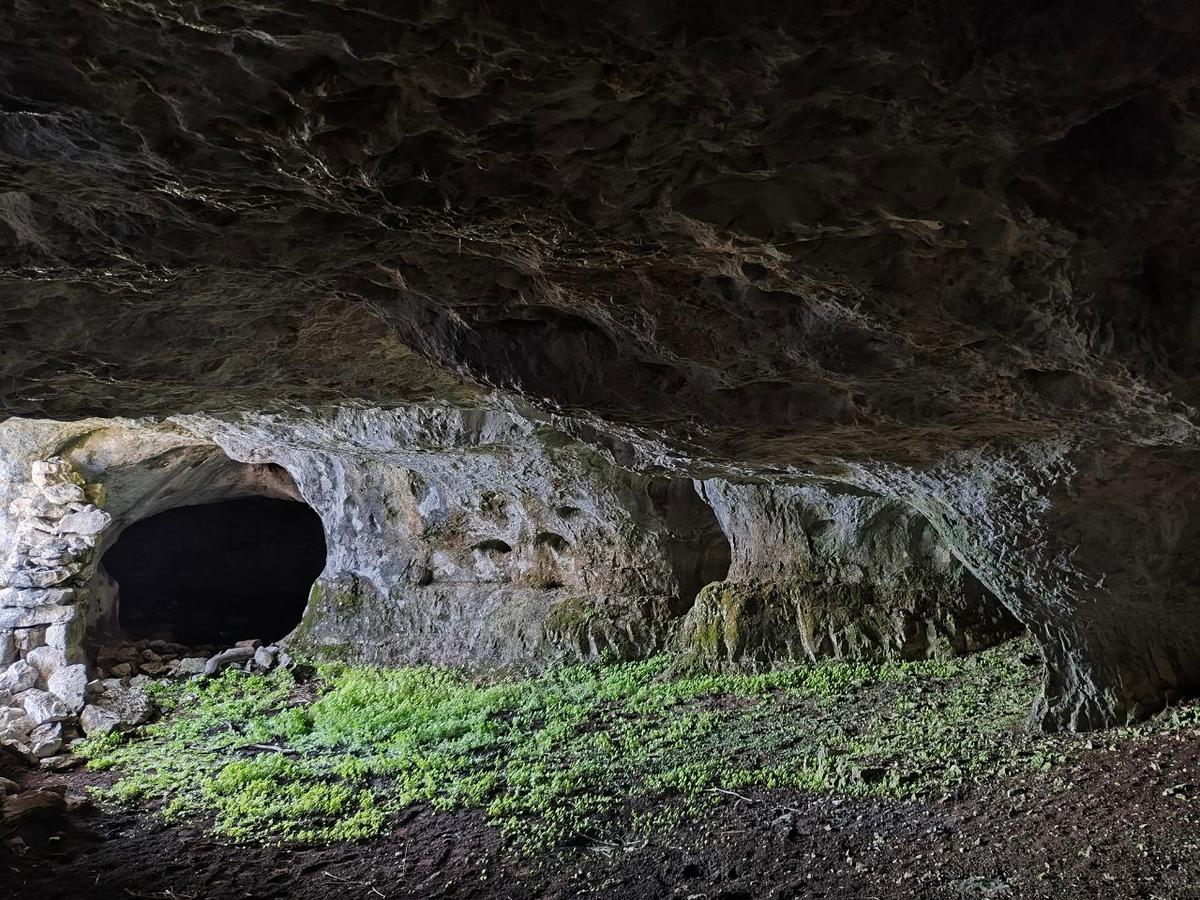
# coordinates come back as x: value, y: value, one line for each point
x: 485, y: 539
x: 940, y: 252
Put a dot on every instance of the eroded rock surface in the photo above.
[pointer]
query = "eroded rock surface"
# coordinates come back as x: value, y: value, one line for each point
x: 827, y: 571
x: 938, y: 251
x: 477, y: 538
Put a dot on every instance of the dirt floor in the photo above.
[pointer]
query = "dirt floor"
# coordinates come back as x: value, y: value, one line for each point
x: 1121, y: 823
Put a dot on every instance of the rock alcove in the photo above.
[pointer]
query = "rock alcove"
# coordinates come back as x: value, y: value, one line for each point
x: 217, y: 573
x: 733, y: 335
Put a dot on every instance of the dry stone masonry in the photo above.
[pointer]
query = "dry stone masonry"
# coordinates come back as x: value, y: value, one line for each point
x: 54, y: 526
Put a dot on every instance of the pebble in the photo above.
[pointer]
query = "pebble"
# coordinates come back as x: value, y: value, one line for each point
x: 63, y: 763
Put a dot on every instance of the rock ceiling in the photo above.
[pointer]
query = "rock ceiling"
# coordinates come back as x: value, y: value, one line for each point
x: 841, y: 229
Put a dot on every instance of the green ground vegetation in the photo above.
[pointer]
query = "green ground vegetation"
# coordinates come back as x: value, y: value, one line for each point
x: 603, y: 752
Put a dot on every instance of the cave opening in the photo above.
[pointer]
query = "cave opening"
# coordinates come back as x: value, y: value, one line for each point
x: 217, y: 573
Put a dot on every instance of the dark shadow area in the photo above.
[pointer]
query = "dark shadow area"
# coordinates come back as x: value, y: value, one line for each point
x: 700, y: 552
x: 218, y: 573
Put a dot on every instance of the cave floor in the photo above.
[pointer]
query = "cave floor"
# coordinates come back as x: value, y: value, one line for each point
x: 905, y: 781
x: 1120, y: 822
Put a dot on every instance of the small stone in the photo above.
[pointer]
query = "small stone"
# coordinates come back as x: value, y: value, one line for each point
x: 46, y: 740
x: 64, y: 493
x: 32, y: 806
x: 91, y: 520
x: 97, y: 721
x: 20, y: 676
x: 75, y: 800
x: 264, y: 657
x: 69, y: 685
x: 15, y: 617
x: 121, y: 670
x: 154, y: 667
x: 26, y: 639
x: 8, y: 786
x: 191, y: 665
x: 114, y: 706
x: 128, y: 653
x: 55, y: 470
x: 42, y: 578
x: 42, y: 706
x: 227, y: 658
x: 284, y: 659
x: 63, y: 763
x: 47, y: 661
x: 27, y: 597
x: 15, y: 725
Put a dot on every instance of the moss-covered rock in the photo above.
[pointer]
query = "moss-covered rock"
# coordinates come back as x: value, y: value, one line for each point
x: 759, y: 625
x: 582, y: 628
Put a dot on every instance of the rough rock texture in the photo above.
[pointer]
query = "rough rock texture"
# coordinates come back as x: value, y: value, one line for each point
x: 54, y: 523
x: 482, y: 538
x: 479, y: 538
x: 941, y: 251
x: 826, y: 571
x: 474, y: 538
x: 114, y: 705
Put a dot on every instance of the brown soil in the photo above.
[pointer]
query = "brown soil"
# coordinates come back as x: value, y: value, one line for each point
x: 1120, y: 823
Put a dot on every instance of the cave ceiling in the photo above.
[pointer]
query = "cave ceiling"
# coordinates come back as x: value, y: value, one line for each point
x: 776, y: 234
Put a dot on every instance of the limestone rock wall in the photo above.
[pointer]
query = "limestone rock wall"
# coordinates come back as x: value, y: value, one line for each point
x: 831, y: 571
x: 477, y: 539
x: 481, y: 538
x: 939, y: 251
x: 484, y: 538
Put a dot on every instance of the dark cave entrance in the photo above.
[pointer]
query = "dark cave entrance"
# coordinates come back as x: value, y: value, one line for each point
x: 219, y: 572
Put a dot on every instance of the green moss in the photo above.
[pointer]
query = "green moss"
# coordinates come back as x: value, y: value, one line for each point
x: 331, y: 602
x: 584, y: 751
x: 707, y: 638
x: 568, y: 626
x: 570, y: 616
x: 757, y: 625
x: 313, y: 611
x: 349, y: 598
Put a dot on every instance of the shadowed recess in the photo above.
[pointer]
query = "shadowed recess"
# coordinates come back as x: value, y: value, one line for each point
x: 218, y: 572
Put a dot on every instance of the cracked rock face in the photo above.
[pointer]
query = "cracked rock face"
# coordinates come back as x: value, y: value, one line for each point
x: 938, y: 252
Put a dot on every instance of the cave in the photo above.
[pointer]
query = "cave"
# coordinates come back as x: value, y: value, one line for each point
x: 216, y: 573
x: 775, y: 421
